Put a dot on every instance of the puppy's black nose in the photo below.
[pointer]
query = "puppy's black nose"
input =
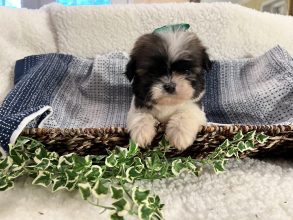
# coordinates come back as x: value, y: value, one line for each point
x: 170, y: 87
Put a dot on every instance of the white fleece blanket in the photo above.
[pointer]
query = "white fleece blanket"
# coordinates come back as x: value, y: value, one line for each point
x: 23, y: 32
x: 228, y: 30
x: 249, y: 189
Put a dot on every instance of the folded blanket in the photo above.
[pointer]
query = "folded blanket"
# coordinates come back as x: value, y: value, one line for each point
x: 56, y: 90
x: 251, y: 91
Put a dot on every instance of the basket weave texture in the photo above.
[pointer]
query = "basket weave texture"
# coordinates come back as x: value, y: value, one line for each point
x: 95, y: 141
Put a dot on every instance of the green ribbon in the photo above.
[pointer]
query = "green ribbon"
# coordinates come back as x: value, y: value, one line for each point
x: 172, y: 27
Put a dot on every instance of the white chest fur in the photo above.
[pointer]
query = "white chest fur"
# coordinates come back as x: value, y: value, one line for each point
x: 163, y: 112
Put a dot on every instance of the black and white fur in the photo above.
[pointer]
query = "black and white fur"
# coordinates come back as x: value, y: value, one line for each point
x: 166, y: 71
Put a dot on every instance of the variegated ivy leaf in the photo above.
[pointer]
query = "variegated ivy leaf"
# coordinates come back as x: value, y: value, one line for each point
x: 81, y: 163
x: 122, y: 206
x: 122, y: 173
x: 154, y: 202
x: 133, y: 149
x: 236, y: 152
x: 65, y: 160
x: 233, y: 151
x: 122, y: 153
x: 3, y: 180
x: 218, y: 153
x: 98, y: 157
x: 111, y: 160
x: 53, y: 156
x: 18, y: 157
x: 27, y: 143
x: 157, y: 162
x: 151, y: 200
x: 165, y: 171
x: 94, y: 173
x: 225, y: 144
x: 115, y: 216
x: 116, y: 192
x: 241, y: 146
x: 140, y: 196
x: 154, y: 162
x: 13, y: 175
x: 43, y: 164
x: 138, y: 164
x: 14, y: 167
x: 190, y: 166
x: 100, y: 188
x: 239, y: 136
x: 244, y: 146
x: 14, y: 146
x: 22, y: 141
x: 262, y: 138
x: 5, y: 163
x: 59, y: 183
x: 177, y: 167
x: 85, y: 190
x: 132, y: 173
x: 71, y: 179
x: 43, y: 179
x: 250, y: 135
x: 32, y: 145
x: 40, y: 153
x: 70, y: 175
x: 5, y: 184
x: 9, y: 186
x: 145, y: 213
x: 219, y: 166
x: 70, y: 185
x: 148, y: 162
x: 70, y: 157
x: 164, y: 143
x: 249, y: 145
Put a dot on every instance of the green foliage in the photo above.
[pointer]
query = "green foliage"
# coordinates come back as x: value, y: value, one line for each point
x: 113, y: 174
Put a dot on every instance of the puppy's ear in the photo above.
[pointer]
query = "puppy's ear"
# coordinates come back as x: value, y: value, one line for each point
x: 206, y: 62
x: 130, y: 69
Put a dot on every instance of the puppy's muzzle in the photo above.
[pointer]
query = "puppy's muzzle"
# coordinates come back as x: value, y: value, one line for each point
x: 170, y: 87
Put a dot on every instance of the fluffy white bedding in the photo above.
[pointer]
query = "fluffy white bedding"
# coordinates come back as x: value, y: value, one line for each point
x: 228, y: 30
x: 22, y: 32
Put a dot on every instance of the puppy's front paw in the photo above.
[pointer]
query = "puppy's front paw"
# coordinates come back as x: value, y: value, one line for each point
x: 181, y: 131
x: 142, y: 129
x: 179, y: 137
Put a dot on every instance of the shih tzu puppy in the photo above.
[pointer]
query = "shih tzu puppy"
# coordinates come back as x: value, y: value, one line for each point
x: 166, y: 71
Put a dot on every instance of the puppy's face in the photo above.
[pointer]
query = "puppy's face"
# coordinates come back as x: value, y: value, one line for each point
x: 167, y: 69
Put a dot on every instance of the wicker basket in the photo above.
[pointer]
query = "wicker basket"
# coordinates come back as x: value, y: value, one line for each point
x: 96, y: 140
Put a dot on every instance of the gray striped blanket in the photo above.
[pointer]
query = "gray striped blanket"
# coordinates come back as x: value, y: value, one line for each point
x: 251, y: 91
x: 56, y: 90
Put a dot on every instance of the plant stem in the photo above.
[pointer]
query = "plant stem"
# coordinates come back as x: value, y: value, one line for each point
x: 125, y: 190
x: 101, y: 206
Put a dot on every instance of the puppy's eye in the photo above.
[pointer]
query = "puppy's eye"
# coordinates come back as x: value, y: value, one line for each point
x: 182, y: 66
x: 188, y: 71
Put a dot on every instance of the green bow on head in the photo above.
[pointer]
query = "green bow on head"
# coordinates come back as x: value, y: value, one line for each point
x: 172, y: 27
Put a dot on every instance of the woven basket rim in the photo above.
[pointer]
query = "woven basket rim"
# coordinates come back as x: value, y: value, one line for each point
x: 230, y: 128
x: 85, y: 141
